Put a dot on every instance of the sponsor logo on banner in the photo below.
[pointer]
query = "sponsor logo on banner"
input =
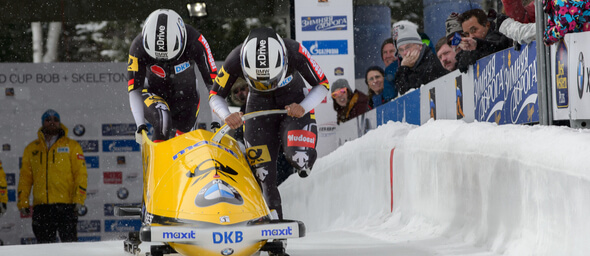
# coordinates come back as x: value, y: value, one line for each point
x: 505, y: 86
x: 119, y: 129
x: 581, y: 76
x: 120, y: 146
x: 338, y: 71
x: 10, y: 179
x: 459, y: 96
x: 327, y: 129
x: 92, y: 161
x: 12, y: 195
x: 301, y: 138
x: 88, y: 145
x: 323, y: 23
x: 228, y: 237
x: 432, y: 102
x: 327, y: 47
x: 89, y: 239
x: 7, y: 227
x: 121, y: 225
x: 112, y: 177
x: 122, y: 193
x: 181, y: 67
x: 28, y: 240
x: 561, y: 88
x: 79, y: 130
x: 89, y: 226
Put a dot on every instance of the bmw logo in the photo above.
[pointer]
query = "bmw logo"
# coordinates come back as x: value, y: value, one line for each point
x: 580, y: 75
x: 227, y: 251
x: 82, y: 211
x: 79, y: 130
x: 122, y: 193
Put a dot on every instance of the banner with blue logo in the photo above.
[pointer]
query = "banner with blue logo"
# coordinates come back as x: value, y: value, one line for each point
x: 326, y: 47
x: 120, y: 146
x: 506, y: 87
x: 405, y: 108
x: 122, y: 225
x: 88, y: 145
x: 91, y: 161
x: 324, y: 23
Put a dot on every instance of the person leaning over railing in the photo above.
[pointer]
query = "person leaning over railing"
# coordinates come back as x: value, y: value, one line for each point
x: 480, y: 38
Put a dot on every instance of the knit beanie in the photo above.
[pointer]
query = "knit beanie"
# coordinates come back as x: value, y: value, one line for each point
x: 339, y: 84
x: 452, y: 25
x: 48, y: 113
x: 407, y: 35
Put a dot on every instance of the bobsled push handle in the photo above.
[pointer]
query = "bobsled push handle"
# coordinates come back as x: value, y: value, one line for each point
x: 225, y: 128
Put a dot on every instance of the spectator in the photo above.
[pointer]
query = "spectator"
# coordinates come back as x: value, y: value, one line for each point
x: 480, y: 38
x: 419, y: 65
x: 388, y: 54
x: 405, y: 23
x: 519, y: 12
x: 239, y: 93
x: 565, y: 17
x: 348, y: 104
x: 519, y: 32
x: 452, y: 26
x: 378, y: 92
x: 54, y: 166
x: 3, y: 191
x: 446, y: 54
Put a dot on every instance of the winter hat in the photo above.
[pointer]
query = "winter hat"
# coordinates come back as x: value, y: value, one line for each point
x: 452, y: 25
x: 407, y: 35
x: 402, y: 23
x: 339, y: 84
x: 48, y: 113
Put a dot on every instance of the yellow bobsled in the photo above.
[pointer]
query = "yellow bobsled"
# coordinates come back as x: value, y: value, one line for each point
x: 200, y: 197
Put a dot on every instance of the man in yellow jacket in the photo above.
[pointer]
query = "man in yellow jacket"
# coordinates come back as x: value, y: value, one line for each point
x: 3, y: 191
x: 54, y: 166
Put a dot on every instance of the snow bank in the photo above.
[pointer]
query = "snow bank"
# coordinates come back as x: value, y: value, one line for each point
x: 513, y: 190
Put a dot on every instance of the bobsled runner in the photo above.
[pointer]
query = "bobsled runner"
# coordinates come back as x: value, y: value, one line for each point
x: 200, y: 197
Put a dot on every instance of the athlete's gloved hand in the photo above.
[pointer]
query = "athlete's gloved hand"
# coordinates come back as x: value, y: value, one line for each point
x: 138, y: 138
x: 25, y: 212
x: 2, y: 209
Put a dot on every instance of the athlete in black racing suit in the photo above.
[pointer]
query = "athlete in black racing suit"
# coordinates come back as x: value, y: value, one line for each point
x: 162, y: 79
x: 275, y: 70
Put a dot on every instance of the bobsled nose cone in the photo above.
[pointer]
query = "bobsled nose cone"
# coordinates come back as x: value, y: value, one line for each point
x: 303, y: 172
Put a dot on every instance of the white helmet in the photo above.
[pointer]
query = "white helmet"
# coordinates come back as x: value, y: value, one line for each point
x: 164, y: 35
x: 264, y: 59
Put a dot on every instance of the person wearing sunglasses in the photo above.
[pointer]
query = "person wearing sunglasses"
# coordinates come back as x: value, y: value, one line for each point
x: 53, y: 166
x: 348, y: 104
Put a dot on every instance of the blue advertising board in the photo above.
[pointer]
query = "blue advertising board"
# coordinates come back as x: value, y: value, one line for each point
x: 405, y: 108
x: 120, y: 146
x: 323, y: 23
x: 326, y: 47
x: 506, y: 87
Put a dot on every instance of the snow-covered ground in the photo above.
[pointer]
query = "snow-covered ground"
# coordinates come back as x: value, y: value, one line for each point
x: 444, y: 188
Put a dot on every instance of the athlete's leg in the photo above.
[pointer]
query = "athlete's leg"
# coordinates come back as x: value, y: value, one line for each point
x: 299, y: 138
x: 157, y: 113
x: 262, y: 145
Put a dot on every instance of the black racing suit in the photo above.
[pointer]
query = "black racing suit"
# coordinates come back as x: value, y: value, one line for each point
x: 169, y: 91
x: 265, y: 135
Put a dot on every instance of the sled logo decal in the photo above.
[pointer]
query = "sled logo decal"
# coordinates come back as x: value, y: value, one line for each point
x: 218, y: 191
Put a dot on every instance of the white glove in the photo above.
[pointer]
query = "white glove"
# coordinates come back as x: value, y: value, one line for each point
x: 138, y: 135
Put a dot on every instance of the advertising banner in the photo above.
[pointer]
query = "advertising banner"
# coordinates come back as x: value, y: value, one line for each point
x: 325, y: 29
x: 577, y: 74
x: 506, y: 86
